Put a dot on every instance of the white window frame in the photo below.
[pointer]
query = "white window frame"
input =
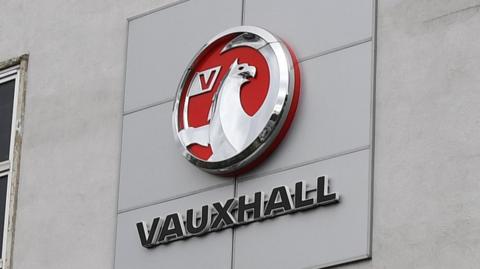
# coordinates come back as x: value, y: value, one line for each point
x: 14, y: 69
x: 5, y: 166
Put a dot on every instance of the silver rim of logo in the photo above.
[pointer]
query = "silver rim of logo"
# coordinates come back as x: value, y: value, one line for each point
x: 281, y: 68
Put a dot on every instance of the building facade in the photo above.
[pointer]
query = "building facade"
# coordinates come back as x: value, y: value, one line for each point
x: 388, y: 111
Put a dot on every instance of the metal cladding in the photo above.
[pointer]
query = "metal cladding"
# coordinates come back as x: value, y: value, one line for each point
x: 234, y: 212
x: 230, y: 118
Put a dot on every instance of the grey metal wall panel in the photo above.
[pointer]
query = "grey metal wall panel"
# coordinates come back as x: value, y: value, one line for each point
x: 152, y: 168
x: 313, y: 26
x: 210, y: 251
x: 331, y: 135
x: 161, y: 45
x: 334, y: 110
x: 318, y: 237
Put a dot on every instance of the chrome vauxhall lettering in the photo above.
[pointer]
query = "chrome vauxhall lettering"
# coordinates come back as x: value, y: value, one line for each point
x: 234, y: 212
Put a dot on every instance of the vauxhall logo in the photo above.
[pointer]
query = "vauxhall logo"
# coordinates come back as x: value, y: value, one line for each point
x: 234, y: 105
x: 236, y: 100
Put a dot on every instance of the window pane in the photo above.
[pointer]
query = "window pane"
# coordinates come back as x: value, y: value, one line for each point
x: 3, y: 200
x: 7, y: 91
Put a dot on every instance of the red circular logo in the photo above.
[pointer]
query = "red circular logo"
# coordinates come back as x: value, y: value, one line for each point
x: 236, y: 100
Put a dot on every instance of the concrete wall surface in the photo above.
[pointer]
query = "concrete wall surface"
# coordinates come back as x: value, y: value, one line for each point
x: 67, y: 196
x: 427, y: 147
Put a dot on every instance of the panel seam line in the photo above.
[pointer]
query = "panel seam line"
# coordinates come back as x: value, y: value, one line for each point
x: 301, y: 164
x: 330, y: 51
x: 174, y: 197
x: 349, y: 45
x: 250, y: 177
x: 148, y: 106
x: 169, y: 5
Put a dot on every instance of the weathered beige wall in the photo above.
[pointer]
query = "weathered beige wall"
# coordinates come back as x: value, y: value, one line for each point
x: 427, y: 155
x: 70, y: 158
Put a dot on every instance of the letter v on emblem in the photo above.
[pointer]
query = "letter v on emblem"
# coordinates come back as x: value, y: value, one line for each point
x: 206, y: 83
x: 203, y: 81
